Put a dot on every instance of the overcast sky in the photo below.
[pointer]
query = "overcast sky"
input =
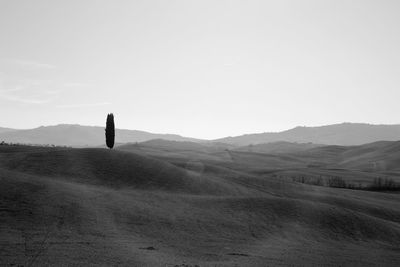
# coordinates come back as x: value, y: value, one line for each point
x: 203, y: 69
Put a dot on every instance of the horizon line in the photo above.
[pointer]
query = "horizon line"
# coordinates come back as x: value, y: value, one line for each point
x: 204, y: 139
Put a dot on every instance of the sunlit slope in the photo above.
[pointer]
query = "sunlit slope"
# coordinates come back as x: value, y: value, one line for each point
x: 97, y: 207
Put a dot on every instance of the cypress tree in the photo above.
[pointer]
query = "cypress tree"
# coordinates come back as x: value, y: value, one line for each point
x: 110, y: 131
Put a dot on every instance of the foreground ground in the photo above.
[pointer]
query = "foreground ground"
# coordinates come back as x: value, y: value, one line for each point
x: 147, y: 207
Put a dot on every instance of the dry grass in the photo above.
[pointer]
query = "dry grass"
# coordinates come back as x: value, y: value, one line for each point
x: 100, y: 207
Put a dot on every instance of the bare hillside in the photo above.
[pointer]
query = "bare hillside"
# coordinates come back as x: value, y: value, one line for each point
x: 102, y: 207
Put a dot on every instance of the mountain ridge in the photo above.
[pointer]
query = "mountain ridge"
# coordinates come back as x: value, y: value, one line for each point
x: 344, y: 134
x: 80, y: 135
x: 335, y: 134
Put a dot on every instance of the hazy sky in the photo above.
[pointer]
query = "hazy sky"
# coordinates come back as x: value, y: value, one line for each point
x: 201, y: 68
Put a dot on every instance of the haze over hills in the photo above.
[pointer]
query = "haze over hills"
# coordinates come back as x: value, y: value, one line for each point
x: 4, y: 130
x: 277, y: 147
x: 337, y: 134
x: 79, y: 135
x: 345, y: 134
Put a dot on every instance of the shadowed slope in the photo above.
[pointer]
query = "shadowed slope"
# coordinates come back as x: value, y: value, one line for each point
x: 173, y: 149
x: 111, y: 168
x: 83, y: 206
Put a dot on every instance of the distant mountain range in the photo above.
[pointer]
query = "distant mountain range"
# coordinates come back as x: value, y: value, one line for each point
x: 344, y: 134
x: 3, y: 130
x: 79, y: 136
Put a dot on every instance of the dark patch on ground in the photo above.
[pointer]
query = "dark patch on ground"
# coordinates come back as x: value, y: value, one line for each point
x: 148, y: 248
x: 239, y: 254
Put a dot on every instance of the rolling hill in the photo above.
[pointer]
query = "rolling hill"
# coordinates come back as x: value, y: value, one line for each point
x: 174, y: 149
x: 345, y: 134
x: 277, y: 147
x: 79, y: 136
x: 4, y: 130
x: 100, y: 207
x: 358, y: 165
x: 377, y: 156
x: 373, y: 157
